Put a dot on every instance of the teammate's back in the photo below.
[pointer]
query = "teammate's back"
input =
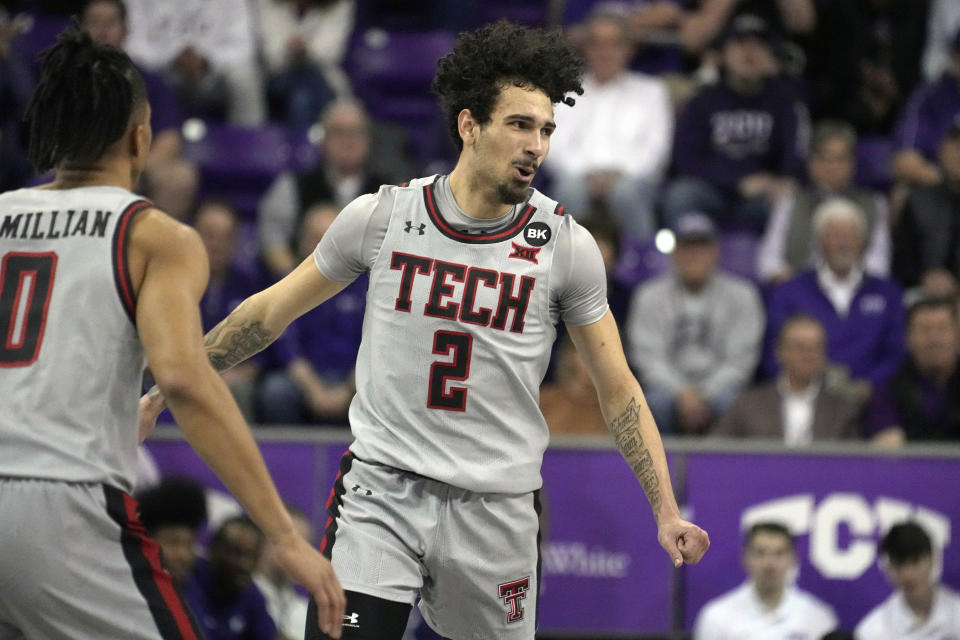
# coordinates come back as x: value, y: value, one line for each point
x: 71, y: 361
x: 94, y: 281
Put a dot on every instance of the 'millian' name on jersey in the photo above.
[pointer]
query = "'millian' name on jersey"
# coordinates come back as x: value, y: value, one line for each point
x: 442, y: 301
x: 50, y: 225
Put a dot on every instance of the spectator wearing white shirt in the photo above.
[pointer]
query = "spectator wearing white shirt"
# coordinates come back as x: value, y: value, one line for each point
x: 613, y: 146
x: 921, y: 608
x: 796, y: 407
x: 767, y: 606
x: 208, y: 47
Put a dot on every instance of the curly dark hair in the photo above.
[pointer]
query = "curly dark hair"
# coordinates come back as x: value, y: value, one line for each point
x: 484, y: 61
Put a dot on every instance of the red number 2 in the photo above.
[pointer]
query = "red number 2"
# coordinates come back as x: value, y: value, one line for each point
x: 460, y: 345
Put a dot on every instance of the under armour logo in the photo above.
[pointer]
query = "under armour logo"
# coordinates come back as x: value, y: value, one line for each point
x: 410, y: 227
x: 352, y: 620
x: 512, y: 593
x: 357, y: 489
x: 525, y: 253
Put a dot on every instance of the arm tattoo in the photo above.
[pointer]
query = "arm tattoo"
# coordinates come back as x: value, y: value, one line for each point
x: 234, y: 341
x: 627, y: 436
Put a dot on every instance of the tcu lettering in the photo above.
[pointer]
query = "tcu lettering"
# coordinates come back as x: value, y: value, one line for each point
x: 442, y: 302
x: 848, y: 556
x: 512, y: 593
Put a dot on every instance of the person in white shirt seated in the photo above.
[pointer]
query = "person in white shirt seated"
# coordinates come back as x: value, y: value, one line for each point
x: 921, y: 608
x: 613, y: 147
x: 767, y: 606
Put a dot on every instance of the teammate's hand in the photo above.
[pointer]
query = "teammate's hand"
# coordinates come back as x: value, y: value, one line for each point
x: 152, y: 404
x: 684, y: 541
x: 307, y: 567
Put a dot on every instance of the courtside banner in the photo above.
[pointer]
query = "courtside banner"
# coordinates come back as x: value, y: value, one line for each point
x: 603, y: 570
x: 837, y: 507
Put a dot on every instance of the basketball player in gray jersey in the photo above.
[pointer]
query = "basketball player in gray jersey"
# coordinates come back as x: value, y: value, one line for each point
x: 469, y: 274
x: 94, y: 280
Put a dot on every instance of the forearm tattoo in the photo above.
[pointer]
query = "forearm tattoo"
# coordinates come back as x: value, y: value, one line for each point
x: 234, y: 340
x: 626, y: 434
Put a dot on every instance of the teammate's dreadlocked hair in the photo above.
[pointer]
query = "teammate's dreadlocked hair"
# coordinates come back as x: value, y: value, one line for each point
x: 83, y: 102
x: 484, y: 61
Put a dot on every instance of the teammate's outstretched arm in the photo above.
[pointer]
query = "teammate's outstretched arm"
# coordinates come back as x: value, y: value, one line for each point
x: 169, y: 262
x: 252, y: 326
x: 628, y: 418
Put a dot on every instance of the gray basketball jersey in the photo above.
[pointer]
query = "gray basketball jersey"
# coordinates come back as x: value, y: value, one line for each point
x: 458, y: 332
x: 71, y: 362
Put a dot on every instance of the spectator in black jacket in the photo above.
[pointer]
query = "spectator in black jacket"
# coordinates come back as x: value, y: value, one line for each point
x: 926, y: 240
x: 922, y: 400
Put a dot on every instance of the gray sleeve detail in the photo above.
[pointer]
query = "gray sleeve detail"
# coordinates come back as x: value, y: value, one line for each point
x: 353, y: 241
x: 277, y: 213
x: 581, y: 285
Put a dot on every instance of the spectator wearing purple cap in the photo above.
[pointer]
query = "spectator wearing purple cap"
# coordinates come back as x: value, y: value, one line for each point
x: 740, y: 143
x: 863, y: 314
x: 929, y: 115
x: 693, y: 334
x: 926, y: 256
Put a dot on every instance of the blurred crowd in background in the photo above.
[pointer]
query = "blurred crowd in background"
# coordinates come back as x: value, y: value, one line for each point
x: 774, y: 184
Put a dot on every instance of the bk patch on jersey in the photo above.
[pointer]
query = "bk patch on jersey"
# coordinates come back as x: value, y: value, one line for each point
x: 537, y: 234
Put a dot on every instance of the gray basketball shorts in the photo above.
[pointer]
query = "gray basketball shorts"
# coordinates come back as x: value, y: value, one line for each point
x: 472, y: 558
x: 75, y: 562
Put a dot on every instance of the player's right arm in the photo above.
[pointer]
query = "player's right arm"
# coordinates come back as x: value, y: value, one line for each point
x: 169, y: 269
x: 252, y: 326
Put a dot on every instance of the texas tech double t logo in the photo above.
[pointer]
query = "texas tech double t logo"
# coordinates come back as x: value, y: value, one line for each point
x: 512, y: 593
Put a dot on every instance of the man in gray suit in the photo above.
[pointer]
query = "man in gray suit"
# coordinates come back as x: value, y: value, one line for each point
x: 797, y: 407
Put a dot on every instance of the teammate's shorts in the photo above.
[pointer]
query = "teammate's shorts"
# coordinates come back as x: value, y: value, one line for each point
x: 75, y: 562
x: 472, y: 558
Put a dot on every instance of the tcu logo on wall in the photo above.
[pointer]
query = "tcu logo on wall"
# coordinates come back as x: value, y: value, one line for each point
x: 864, y: 522
x: 512, y: 593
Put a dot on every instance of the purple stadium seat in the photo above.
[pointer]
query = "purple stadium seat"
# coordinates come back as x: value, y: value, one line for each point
x: 640, y: 261
x: 873, y: 163
x: 738, y: 254
x: 392, y: 72
x: 239, y: 163
x: 41, y: 32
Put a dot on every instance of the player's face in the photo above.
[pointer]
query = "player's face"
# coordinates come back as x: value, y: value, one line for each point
x: 177, y: 545
x: 833, y: 164
x: 510, y: 148
x: 767, y: 559
x: 933, y: 339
